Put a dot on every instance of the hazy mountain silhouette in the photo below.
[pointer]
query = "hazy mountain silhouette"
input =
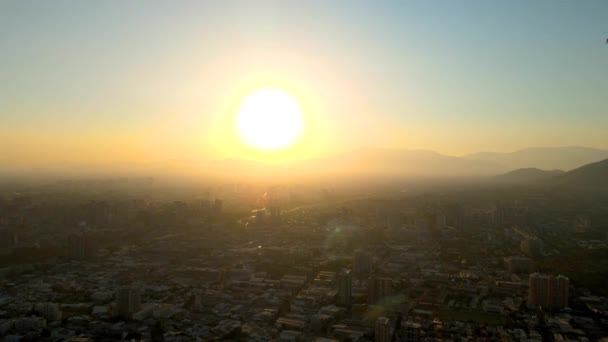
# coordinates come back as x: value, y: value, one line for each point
x: 546, y: 158
x: 526, y: 175
x: 367, y: 162
x: 591, y: 176
x: 394, y: 162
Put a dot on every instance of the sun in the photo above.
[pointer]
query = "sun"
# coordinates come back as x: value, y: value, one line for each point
x: 269, y: 119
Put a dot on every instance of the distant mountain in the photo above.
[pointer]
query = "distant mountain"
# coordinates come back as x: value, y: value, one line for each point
x: 398, y: 162
x: 528, y: 166
x: 528, y: 175
x: 592, y: 176
x: 548, y: 158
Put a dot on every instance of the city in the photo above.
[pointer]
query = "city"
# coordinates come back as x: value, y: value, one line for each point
x: 304, y: 171
x: 308, y: 265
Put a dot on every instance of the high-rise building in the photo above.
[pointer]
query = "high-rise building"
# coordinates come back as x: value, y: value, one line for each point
x: 80, y: 246
x: 440, y: 220
x: 345, y: 288
x: 128, y: 300
x: 197, y: 300
x: 378, y: 289
x: 217, y: 206
x: 410, y: 332
x: 548, y: 291
x: 275, y: 213
x: 8, y: 238
x: 362, y: 264
x: 260, y: 216
x: 383, y: 330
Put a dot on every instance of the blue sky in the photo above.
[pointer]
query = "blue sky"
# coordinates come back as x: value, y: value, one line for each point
x: 453, y: 76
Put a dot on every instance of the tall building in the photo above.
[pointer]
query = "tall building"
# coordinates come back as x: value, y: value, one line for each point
x: 128, y: 300
x: 80, y: 246
x: 275, y: 213
x: 378, y: 289
x: 197, y: 300
x: 410, y: 332
x: 362, y: 264
x: 217, y: 206
x: 383, y: 330
x: 345, y: 288
x: 440, y: 220
x: 8, y: 238
x: 260, y: 216
x: 548, y: 291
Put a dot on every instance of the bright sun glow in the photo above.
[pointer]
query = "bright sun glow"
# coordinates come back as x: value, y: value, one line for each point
x: 269, y: 119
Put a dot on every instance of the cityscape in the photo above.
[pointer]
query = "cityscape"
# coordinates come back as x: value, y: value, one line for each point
x: 303, y: 171
x: 117, y: 259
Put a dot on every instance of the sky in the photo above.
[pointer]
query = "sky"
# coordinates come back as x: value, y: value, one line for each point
x: 145, y: 81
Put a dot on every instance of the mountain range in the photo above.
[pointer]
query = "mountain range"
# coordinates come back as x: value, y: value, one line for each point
x: 591, y: 176
x: 546, y: 158
x: 429, y: 163
x: 367, y: 162
x: 526, y: 175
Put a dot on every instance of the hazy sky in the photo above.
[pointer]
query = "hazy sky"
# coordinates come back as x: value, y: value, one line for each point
x: 84, y: 81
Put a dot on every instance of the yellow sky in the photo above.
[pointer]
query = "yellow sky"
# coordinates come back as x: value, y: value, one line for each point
x: 150, y: 84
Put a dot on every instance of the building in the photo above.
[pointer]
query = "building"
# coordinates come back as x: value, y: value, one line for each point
x: 80, y: 246
x: 378, y: 289
x: 8, y: 238
x: 410, y: 332
x: 50, y: 311
x: 440, y: 220
x: 383, y: 330
x: 25, y: 324
x: 128, y: 300
x: 362, y: 264
x: 345, y: 288
x: 532, y: 247
x: 260, y: 216
x: 275, y: 213
x: 517, y: 264
x: 548, y: 291
x: 290, y: 335
x: 217, y: 207
x: 197, y: 301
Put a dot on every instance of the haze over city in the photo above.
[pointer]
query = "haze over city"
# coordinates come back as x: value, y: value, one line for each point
x: 320, y: 171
